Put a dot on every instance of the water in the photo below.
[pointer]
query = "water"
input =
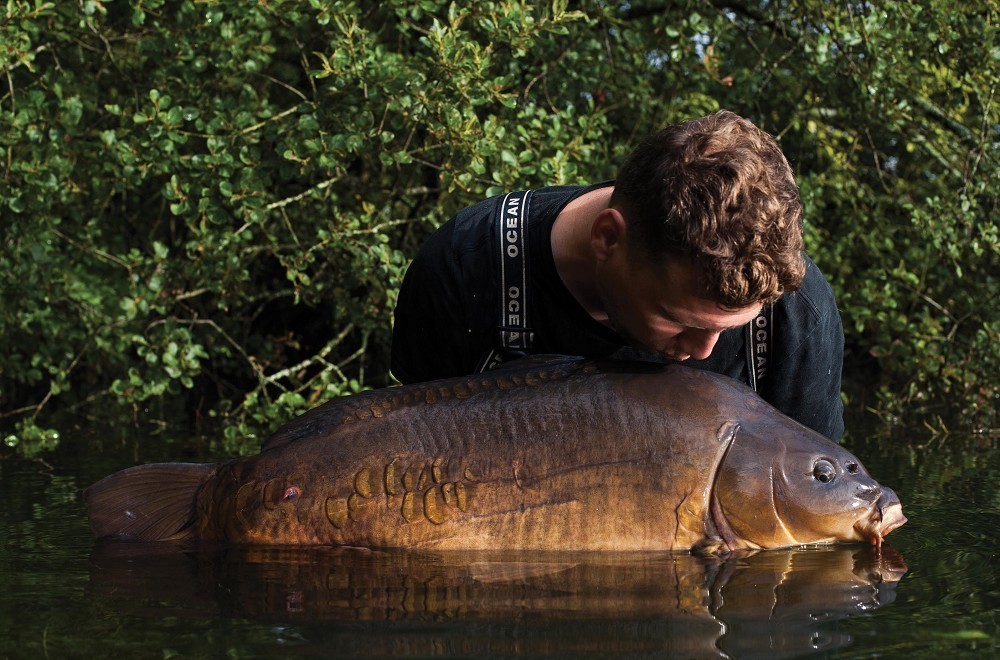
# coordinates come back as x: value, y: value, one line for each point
x: 932, y: 591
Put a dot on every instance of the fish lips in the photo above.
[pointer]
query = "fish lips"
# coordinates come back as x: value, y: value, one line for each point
x: 886, y: 515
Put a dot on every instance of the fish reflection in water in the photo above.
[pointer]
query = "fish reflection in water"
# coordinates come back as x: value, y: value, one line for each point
x: 782, y: 602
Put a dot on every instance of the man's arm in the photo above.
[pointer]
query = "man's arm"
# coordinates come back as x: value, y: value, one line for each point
x: 426, y: 339
x: 805, y: 377
x: 444, y: 315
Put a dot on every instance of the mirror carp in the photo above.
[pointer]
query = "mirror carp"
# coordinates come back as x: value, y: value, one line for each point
x: 566, y: 454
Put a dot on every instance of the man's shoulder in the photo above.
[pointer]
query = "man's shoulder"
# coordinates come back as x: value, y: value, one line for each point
x: 470, y: 229
x: 808, y: 319
x: 543, y: 200
x: 814, y: 298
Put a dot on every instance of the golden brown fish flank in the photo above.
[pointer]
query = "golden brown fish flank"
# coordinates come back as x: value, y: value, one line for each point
x: 574, y: 455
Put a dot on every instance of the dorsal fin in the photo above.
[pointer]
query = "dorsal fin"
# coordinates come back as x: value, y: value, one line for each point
x: 153, y: 502
x: 525, y: 372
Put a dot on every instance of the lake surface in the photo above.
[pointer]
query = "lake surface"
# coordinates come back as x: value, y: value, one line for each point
x: 932, y: 591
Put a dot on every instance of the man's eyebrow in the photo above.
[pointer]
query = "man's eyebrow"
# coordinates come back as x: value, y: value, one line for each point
x: 722, y: 328
x: 673, y: 319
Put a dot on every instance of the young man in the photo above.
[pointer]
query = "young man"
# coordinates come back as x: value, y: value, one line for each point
x: 693, y: 253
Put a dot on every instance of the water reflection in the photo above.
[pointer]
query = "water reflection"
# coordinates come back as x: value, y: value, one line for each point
x: 374, y: 603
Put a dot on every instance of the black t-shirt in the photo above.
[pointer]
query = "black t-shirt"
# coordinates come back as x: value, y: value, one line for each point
x: 449, y: 306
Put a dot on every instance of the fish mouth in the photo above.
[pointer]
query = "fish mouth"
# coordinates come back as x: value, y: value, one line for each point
x: 886, y: 515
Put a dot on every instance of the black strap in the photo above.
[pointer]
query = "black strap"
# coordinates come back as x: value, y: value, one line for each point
x: 760, y: 338
x: 515, y: 337
x: 514, y: 334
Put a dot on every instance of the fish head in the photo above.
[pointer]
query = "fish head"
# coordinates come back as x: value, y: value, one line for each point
x: 785, y: 485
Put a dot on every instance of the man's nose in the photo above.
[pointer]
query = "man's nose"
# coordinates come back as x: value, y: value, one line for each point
x: 699, y: 344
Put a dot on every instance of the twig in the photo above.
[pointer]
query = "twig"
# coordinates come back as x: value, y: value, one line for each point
x: 544, y: 73
x: 10, y: 86
x: 307, y: 362
x: 878, y: 163
x: 285, y: 85
x: 983, y: 137
x: 215, y: 326
x: 100, y: 253
x: 192, y: 294
x: 261, y: 124
x: 937, y: 113
x: 294, y: 198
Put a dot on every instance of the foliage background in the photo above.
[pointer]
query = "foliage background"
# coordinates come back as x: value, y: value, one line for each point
x: 208, y: 205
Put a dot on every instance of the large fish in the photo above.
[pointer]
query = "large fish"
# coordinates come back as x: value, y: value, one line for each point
x: 567, y: 455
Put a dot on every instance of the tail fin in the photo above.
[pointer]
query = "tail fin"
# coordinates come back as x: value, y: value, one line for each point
x: 154, y: 502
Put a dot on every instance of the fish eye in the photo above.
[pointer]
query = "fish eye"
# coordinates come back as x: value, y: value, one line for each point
x: 823, y: 471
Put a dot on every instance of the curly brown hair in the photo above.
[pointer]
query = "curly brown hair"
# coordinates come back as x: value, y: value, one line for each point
x: 717, y: 190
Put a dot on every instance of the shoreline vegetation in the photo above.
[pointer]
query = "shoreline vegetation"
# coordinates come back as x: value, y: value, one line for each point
x: 208, y: 207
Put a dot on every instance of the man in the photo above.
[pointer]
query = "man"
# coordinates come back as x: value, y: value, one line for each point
x: 693, y: 253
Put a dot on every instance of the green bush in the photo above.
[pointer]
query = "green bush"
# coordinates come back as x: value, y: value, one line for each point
x: 209, y: 205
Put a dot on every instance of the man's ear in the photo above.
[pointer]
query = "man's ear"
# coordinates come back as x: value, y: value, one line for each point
x: 607, y: 233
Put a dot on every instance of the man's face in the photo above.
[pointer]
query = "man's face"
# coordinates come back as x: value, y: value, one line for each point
x: 658, y: 309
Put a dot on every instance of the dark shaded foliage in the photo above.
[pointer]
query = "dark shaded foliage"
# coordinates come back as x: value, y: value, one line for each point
x: 210, y: 205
